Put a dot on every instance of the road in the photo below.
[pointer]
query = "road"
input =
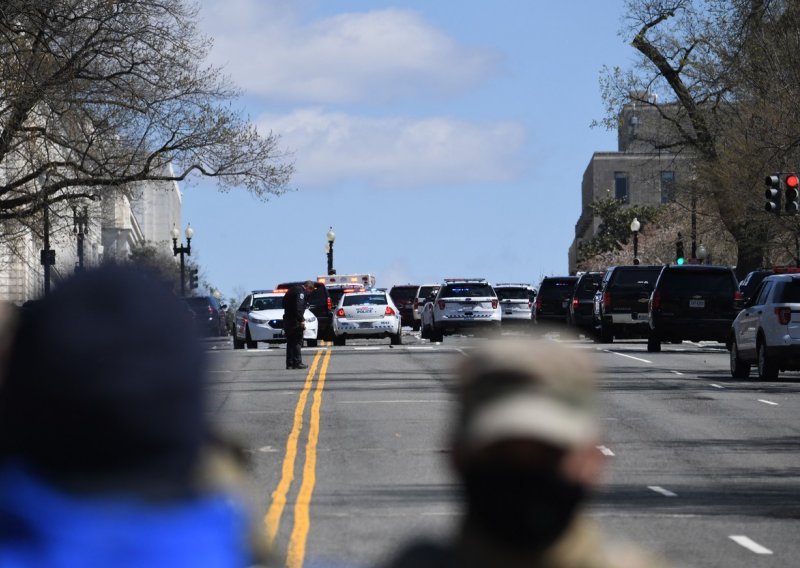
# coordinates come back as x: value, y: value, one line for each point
x: 350, y: 460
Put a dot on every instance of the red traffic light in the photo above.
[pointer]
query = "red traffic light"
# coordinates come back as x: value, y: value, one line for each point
x: 792, y: 181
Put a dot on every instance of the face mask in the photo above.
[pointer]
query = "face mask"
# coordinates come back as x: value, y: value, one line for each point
x: 524, y: 508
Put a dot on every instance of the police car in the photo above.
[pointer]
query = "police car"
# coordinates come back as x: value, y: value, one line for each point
x: 516, y: 301
x: 366, y: 314
x: 463, y: 303
x: 260, y: 319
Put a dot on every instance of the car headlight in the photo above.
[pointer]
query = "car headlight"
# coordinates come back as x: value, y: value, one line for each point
x: 257, y: 320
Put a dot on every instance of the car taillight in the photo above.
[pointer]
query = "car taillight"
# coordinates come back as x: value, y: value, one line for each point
x: 494, y: 304
x: 538, y: 303
x: 738, y: 296
x: 389, y: 311
x: 340, y: 313
x: 784, y: 315
x: 606, y: 300
x: 416, y: 303
x: 441, y: 304
x: 574, y: 303
x: 530, y: 304
x: 330, y: 304
x: 655, y: 301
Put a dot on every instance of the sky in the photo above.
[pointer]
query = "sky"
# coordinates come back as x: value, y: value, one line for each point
x: 438, y: 139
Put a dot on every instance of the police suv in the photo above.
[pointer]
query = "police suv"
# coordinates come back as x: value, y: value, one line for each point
x: 463, y: 303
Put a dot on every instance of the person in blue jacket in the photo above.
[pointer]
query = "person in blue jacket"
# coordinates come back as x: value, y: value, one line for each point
x: 106, y: 455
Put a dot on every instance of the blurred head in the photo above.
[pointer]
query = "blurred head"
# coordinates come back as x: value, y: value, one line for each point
x: 104, y: 386
x: 525, y: 439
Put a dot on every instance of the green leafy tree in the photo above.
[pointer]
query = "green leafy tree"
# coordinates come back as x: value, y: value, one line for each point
x: 615, y: 226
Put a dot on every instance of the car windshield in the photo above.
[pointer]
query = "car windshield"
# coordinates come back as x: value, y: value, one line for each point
x: 636, y: 278
x: 403, y: 293
x: 268, y: 303
x: 557, y: 288
x: 790, y: 294
x: 365, y: 299
x: 512, y: 293
x: 425, y: 291
x: 688, y: 282
x: 467, y: 290
x: 587, y: 286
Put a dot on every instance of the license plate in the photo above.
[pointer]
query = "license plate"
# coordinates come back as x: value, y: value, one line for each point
x: 697, y: 303
x: 468, y: 314
x: 365, y: 324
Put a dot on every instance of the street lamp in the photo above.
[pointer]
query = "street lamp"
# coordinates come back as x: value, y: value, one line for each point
x: 182, y: 250
x: 331, y: 236
x: 635, y: 226
x: 47, y: 255
x: 702, y: 253
x: 80, y: 228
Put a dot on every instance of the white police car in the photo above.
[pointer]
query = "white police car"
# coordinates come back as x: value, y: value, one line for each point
x: 515, y: 302
x: 463, y: 303
x: 367, y: 314
x: 260, y: 318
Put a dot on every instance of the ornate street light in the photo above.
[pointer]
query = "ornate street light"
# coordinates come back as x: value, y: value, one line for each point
x: 182, y: 250
x: 635, y: 226
x: 702, y: 253
x: 331, y: 236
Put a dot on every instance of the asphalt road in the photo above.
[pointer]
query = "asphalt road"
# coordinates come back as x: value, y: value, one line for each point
x: 350, y: 460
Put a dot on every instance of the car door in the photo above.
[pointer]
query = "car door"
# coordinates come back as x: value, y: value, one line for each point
x: 749, y: 320
x: 241, y: 317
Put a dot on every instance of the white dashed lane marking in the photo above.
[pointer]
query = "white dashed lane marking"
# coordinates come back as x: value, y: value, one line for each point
x: 605, y: 451
x: 750, y: 544
x: 768, y: 402
x: 662, y: 491
x: 717, y: 386
x: 628, y: 356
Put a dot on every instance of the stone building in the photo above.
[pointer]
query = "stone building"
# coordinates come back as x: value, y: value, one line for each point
x: 643, y: 170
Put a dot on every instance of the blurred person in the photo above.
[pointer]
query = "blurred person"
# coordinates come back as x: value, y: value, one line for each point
x: 524, y: 449
x: 294, y: 323
x: 107, y: 457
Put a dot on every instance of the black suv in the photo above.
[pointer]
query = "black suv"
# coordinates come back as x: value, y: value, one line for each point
x: 553, y: 298
x: 620, y: 305
x: 750, y: 282
x: 209, y: 315
x: 581, y: 307
x: 694, y: 302
x: 320, y: 304
x: 403, y: 297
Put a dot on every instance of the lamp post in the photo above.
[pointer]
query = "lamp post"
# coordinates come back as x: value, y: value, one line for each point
x: 635, y: 226
x: 47, y: 255
x: 182, y: 250
x: 331, y: 236
x: 80, y: 228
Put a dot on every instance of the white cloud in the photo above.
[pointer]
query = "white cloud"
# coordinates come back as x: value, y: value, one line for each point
x: 378, y: 55
x: 331, y: 148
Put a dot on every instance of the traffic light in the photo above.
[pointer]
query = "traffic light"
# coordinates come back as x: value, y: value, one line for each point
x: 193, y: 283
x: 680, y: 257
x: 792, y: 192
x: 773, y: 194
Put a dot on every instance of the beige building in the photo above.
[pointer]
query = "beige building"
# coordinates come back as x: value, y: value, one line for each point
x: 638, y: 173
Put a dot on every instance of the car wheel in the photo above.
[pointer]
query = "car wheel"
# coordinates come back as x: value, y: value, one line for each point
x: 767, y: 369
x: 653, y: 343
x: 339, y: 341
x: 739, y: 369
x: 606, y: 334
x: 424, y: 332
x: 311, y: 342
x: 249, y: 342
x: 237, y: 343
x: 397, y: 339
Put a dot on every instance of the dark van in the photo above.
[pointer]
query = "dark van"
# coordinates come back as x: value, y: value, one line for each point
x: 553, y: 298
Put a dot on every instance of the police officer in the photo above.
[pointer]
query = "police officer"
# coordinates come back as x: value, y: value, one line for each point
x: 524, y: 448
x: 294, y: 323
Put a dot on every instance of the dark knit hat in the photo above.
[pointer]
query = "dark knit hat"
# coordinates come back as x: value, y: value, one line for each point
x: 105, y: 385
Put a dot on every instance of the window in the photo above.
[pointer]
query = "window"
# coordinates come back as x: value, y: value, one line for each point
x: 621, y: 186
x: 762, y: 295
x: 246, y: 304
x: 268, y: 303
x: 365, y: 300
x: 667, y: 186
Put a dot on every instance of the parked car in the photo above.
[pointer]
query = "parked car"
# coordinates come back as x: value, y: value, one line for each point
x: 692, y: 302
x: 464, y: 304
x: 320, y: 304
x: 209, y: 315
x: 621, y: 303
x: 581, y: 306
x: 767, y: 331
x: 403, y: 297
x: 423, y: 292
x: 552, y: 299
x: 369, y: 314
x: 515, y: 302
x: 260, y: 319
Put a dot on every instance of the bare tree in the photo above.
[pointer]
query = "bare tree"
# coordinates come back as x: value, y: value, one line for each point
x: 727, y: 75
x: 100, y: 93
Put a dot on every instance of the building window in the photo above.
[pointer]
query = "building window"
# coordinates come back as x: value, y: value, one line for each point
x: 667, y: 186
x: 621, y: 186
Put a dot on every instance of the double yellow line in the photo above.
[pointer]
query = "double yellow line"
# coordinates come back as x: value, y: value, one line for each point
x: 302, y: 518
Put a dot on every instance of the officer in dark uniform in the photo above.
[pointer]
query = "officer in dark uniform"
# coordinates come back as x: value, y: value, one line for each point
x: 294, y: 323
